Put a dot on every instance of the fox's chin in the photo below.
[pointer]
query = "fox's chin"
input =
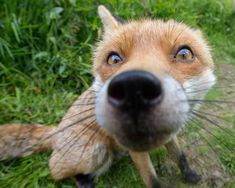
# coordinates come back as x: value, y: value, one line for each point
x: 142, y: 133
x: 143, y: 142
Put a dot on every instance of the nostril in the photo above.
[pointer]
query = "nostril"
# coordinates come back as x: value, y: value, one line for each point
x: 116, y: 93
x: 151, y: 90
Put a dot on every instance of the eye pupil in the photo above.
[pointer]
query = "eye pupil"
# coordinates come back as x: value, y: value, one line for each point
x: 114, y: 58
x: 184, y: 55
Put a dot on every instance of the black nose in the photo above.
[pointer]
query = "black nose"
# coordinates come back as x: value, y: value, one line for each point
x: 139, y: 89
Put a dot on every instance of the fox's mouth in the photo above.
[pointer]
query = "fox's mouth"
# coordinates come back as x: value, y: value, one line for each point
x: 141, y: 110
x: 143, y: 141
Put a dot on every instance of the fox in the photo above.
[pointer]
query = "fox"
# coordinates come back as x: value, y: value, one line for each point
x: 146, y: 74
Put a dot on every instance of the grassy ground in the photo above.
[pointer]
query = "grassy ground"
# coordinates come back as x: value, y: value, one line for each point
x: 45, y: 60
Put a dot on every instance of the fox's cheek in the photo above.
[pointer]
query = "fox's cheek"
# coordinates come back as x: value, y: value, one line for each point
x: 197, y: 87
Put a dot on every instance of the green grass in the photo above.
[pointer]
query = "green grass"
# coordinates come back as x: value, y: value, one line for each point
x: 45, y: 60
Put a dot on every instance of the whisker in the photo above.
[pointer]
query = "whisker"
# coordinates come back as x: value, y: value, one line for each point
x: 87, y: 98
x: 197, y: 91
x: 197, y: 101
x: 206, y: 140
x: 92, y: 137
x: 212, y: 134
x: 222, y: 87
x: 199, y: 84
x: 74, y: 140
x: 77, y: 136
x: 217, y: 86
x: 83, y: 104
x: 213, y: 115
x: 201, y: 142
x: 93, y: 91
x: 211, y: 101
x: 178, y: 36
x: 212, y: 122
x: 191, y: 102
x: 56, y: 132
x: 87, y: 110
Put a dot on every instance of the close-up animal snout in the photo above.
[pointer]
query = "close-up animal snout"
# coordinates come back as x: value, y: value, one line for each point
x: 141, y: 109
x: 135, y: 90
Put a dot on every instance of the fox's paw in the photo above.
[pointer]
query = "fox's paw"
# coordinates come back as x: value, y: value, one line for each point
x: 192, y: 177
x: 189, y: 175
x: 85, y: 181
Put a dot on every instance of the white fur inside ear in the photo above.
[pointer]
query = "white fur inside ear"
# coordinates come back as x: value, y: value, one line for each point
x: 107, y: 18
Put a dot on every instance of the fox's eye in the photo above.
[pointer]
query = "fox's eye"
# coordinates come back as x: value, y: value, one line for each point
x: 184, y: 55
x: 114, y: 58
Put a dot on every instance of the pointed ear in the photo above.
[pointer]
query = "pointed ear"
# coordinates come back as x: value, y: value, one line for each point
x: 109, y: 21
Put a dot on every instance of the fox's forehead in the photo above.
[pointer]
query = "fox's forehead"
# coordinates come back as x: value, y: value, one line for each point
x: 148, y: 30
x: 152, y: 33
x: 152, y: 39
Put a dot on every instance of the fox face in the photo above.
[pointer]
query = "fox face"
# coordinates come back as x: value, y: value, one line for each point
x: 146, y: 73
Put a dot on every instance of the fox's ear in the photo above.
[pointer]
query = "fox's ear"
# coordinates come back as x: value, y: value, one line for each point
x: 109, y: 21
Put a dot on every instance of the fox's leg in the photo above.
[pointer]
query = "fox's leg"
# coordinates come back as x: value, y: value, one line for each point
x: 81, y: 156
x: 84, y: 170
x: 179, y: 158
x: 144, y: 165
x: 95, y: 160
